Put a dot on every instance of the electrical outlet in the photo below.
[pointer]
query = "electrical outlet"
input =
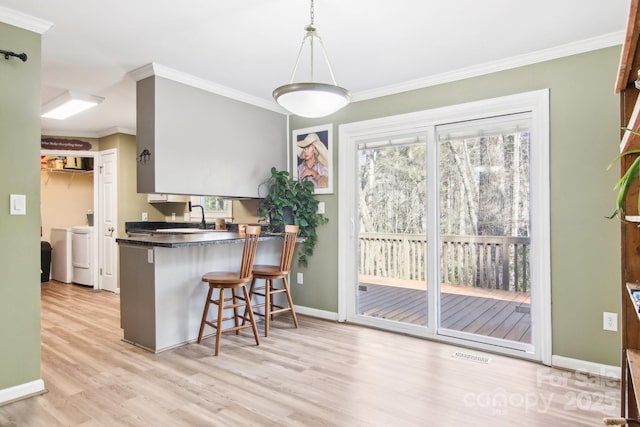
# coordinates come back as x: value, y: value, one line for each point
x: 610, y: 321
x: 300, y: 278
x: 145, y: 216
x: 320, y: 207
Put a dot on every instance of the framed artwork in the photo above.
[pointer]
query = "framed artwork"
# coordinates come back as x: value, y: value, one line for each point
x: 313, y: 150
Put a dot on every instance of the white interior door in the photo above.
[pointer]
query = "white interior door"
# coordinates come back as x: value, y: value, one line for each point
x: 108, y: 230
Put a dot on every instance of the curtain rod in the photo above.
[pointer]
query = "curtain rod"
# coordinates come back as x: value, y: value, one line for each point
x: 8, y: 54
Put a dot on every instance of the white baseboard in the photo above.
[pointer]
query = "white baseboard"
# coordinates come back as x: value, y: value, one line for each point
x: 562, y: 362
x: 21, y: 391
x: 314, y: 312
x: 585, y: 366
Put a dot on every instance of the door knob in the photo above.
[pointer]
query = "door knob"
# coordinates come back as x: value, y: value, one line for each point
x: 111, y: 229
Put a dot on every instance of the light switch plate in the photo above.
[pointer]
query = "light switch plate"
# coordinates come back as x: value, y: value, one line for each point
x: 320, y: 207
x: 17, y: 204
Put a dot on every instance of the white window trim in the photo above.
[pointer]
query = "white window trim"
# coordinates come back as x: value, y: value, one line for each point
x: 209, y: 215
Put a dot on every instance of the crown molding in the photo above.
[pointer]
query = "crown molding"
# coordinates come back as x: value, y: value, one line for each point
x: 569, y: 49
x: 574, y: 48
x: 24, y: 21
x: 113, y: 130
x: 89, y: 134
x: 159, y: 70
x: 142, y: 72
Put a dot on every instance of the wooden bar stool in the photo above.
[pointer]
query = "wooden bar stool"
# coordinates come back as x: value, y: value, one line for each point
x: 269, y: 273
x: 223, y: 280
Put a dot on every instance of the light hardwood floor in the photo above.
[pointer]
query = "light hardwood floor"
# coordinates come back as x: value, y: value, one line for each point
x: 322, y: 374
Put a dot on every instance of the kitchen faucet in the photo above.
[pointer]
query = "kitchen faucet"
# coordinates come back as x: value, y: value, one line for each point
x: 203, y: 224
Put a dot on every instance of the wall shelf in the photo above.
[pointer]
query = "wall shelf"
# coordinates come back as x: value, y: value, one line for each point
x: 69, y: 172
x: 77, y: 171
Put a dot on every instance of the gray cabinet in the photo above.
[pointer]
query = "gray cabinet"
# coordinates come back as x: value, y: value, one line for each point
x: 203, y: 143
x: 137, y: 294
x: 166, y: 198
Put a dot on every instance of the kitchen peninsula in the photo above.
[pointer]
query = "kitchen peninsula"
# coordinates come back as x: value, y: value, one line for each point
x: 161, y: 293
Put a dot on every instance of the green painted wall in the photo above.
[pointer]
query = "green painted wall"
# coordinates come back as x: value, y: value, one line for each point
x: 584, y: 245
x: 585, y: 254
x: 131, y: 204
x: 20, y: 235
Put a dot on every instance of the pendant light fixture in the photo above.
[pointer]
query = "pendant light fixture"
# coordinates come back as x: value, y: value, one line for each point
x: 312, y: 99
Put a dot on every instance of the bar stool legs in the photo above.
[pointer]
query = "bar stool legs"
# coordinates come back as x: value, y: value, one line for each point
x: 233, y: 281
x: 268, y: 292
x: 233, y: 302
x: 269, y: 273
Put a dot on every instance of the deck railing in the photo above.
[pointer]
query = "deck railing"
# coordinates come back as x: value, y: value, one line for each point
x: 490, y: 262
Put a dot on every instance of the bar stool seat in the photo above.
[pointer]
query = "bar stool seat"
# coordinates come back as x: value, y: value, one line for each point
x: 269, y: 273
x: 233, y: 281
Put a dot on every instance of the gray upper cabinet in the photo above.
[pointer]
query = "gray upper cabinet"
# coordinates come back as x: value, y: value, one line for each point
x: 199, y: 142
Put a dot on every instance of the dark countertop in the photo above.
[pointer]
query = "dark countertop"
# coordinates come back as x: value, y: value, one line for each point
x: 192, y: 239
x: 142, y: 226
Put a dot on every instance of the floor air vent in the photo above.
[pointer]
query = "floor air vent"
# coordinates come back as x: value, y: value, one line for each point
x: 471, y: 357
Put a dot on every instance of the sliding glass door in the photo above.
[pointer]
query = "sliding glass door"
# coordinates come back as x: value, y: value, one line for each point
x: 444, y: 224
x: 484, y: 241
x: 392, y: 230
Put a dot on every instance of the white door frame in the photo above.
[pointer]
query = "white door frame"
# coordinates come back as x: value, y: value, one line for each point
x: 424, y: 122
x: 97, y: 214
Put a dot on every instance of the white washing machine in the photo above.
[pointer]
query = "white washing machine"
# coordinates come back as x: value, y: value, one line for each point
x: 82, y: 254
x: 61, y: 267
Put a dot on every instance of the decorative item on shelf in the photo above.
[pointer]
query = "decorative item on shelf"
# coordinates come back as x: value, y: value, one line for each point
x: 624, y: 183
x: 290, y: 201
x: 144, y: 156
x: 312, y: 99
x: 56, y: 163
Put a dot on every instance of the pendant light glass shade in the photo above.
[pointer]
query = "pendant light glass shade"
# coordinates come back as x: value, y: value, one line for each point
x: 312, y: 99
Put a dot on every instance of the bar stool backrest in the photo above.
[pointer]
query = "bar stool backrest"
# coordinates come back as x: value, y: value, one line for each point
x: 249, y: 251
x: 288, y: 247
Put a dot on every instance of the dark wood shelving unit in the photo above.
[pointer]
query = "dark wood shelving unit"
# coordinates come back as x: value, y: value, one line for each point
x: 630, y: 232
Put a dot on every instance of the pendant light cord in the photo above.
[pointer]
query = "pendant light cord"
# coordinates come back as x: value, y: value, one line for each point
x: 312, y: 33
x: 312, y: 12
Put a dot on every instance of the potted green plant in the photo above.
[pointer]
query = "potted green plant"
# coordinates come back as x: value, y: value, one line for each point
x: 624, y: 183
x: 290, y: 201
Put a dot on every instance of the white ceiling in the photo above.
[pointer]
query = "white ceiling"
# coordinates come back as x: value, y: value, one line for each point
x: 375, y: 46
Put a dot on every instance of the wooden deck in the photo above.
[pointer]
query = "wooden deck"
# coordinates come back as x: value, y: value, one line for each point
x: 493, y: 313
